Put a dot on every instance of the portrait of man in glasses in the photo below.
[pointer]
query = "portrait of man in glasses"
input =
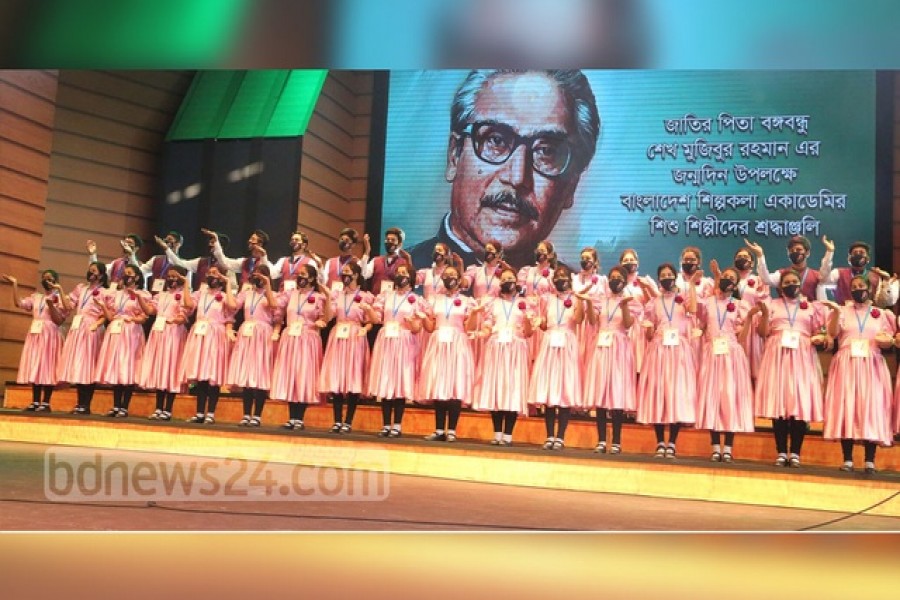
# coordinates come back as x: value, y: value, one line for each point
x: 519, y: 142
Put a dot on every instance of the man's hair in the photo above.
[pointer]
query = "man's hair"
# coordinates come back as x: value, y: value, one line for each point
x: 350, y: 233
x: 262, y: 235
x: 396, y: 231
x: 178, y: 237
x: 572, y: 83
x: 799, y: 239
x: 862, y: 245
x: 138, y: 242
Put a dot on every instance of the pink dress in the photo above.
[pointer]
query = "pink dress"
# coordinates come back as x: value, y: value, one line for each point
x: 345, y: 365
x: 394, y: 369
x: 638, y: 339
x: 597, y: 289
x: 859, y: 397
x: 752, y: 291
x: 119, y: 361
x: 251, y: 360
x: 704, y: 289
x: 432, y: 288
x: 79, y: 354
x: 790, y: 381
x: 162, y: 354
x: 724, y: 392
x: 448, y: 366
x: 484, y: 283
x: 299, y: 359
x: 667, y: 386
x: 537, y: 283
x: 556, y: 375
x: 207, y: 348
x: 501, y: 380
x: 43, y: 344
x: 610, y: 380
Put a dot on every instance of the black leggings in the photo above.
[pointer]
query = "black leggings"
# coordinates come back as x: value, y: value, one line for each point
x: 165, y: 400
x: 397, y: 405
x: 297, y: 410
x: 443, y: 409
x: 784, y: 428
x: 85, y: 394
x: 847, y: 448
x: 551, y: 415
x: 41, y: 390
x: 715, y: 438
x: 337, y: 405
x: 254, y: 401
x: 207, y: 397
x: 660, y: 430
x: 504, y: 420
x: 618, y: 417
x: 122, y: 396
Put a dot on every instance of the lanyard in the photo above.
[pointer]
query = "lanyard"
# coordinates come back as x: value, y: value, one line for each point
x: 293, y: 264
x: 790, y: 318
x: 508, y: 312
x: 448, y: 305
x: 489, y: 278
x: 253, y: 304
x: 85, y: 296
x: 208, y: 304
x: 348, y: 306
x: 862, y: 324
x: 610, y: 313
x: 435, y: 278
x: 300, y: 304
x: 721, y: 317
x: 168, y: 302
x: 397, y: 305
x: 538, y: 273
x: 670, y: 312
x: 560, y: 315
x: 124, y: 297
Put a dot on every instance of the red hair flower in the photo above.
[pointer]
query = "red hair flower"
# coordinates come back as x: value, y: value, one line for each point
x: 132, y: 295
x: 804, y: 305
x: 751, y: 282
x: 545, y: 272
x: 95, y: 292
x: 357, y: 299
x: 568, y: 303
x: 411, y: 299
x: 595, y: 279
x: 679, y: 299
x: 730, y: 307
x: 310, y: 300
x: 521, y: 305
x: 876, y: 313
x: 457, y: 302
x: 178, y: 296
x: 219, y: 297
x: 54, y: 299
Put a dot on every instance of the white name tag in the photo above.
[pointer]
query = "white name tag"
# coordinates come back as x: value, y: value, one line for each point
x: 201, y: 327
x: 557, y: 338
x: 387, y: 286
x: 342, y: 331
x: 790, y: 339
x: 445, y: 335
x: 159, y: 324
x: 859, y: 348
x: 76, y: 323
x: 392, y: 329
x: 720, y: 346
x: 605, y: 339
x: 295, y: 329
x: 337, y: 286
x: 158, y: 285
x: 247, y: 329
x: 36, y: 326
x: 289, y: 285
x: 115, y: 327
x: 671, y: 338
x: 505, y: 335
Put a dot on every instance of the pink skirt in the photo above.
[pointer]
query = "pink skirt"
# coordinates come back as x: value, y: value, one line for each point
x: 162, y: 358
x: 790, y: 382
x: 502, y: 378
x: 556, y: 374
x: 610, y: 381
x: 119, y: 360
x: 297, y: 367
x: 639, y: 343
x: 251, y: 360
x: 205, y: 357
x: 394, y: 367
x: 79, y: 355
x: 345, y: 365
x: 667, y: 386
x: 40, y: 356
x: 448, y: 369
x: 725, y: 393
x: 858, y: 399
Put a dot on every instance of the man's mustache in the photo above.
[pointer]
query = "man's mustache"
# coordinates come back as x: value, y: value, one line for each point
x: 509, y: 199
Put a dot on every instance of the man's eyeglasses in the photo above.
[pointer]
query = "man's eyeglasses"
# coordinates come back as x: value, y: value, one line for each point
x: 494, y: 143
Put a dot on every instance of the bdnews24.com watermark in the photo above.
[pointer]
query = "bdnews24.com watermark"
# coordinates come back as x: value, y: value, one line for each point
x: 328, y: 474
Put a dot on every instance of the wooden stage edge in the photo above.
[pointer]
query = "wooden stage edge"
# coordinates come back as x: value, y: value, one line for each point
x: 691, y: 476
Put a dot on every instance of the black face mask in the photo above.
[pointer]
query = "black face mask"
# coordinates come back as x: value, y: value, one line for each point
x: 450, y: 282
x: 561, y: 285
x: 213, y: 282
x: 437, y: 257
x: 858, y: 261
x: 616, y: 285
x: 726, y: 285
x: 390, y: 247
x: 742, y: 264
x: 791, y: 291
x: 689, y: 268
x: 668, y: 283
x: 797, y: 257
x: 587, y: 265
x: 401, y: 281
x: 540, y: 256
x: 47, y: 284
x: 630, y: 267
x: 860, y: 296
x: 171, y: 283
x: 489, y: 256
x: 302, y: 282
x: 508, y: 287
x: 296, y: 246
x: 347, y: 280
x: 128, y: 280
x: 345, y: 245
x: 92, y: 277
x: 258, y: 282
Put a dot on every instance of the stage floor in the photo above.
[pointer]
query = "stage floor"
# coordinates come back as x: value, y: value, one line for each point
x: 413, y: 504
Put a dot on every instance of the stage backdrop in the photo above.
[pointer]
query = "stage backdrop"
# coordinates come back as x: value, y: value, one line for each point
x: 683, y: 158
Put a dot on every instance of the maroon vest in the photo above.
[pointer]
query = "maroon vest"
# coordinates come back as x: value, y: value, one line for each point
x: 202, y: 268
x: 118, y: 270
x: 382, y: 271
x: 842, y: 291
x: 809, y: 281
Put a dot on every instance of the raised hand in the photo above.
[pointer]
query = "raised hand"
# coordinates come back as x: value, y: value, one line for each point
x: 829, y: 244
x: 160, y: 242
x: 210, y: 233
x: 755, y: 248
x: 91, y: 247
